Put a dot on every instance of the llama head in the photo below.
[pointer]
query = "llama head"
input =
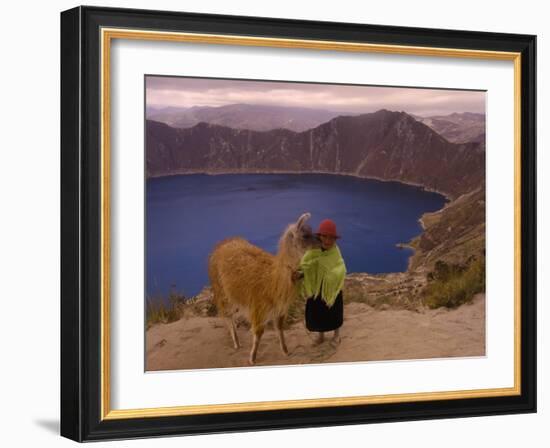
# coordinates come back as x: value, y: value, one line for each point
x: 298, y: 238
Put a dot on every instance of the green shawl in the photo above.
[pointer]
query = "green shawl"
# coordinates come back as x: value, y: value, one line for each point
x: 324, y: 272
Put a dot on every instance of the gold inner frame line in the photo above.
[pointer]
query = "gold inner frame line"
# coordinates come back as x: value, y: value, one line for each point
x: 107, y: 35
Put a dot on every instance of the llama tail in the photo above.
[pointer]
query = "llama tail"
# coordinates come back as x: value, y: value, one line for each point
x: 218, y: 296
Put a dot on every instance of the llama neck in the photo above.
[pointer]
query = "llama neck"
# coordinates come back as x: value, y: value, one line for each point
x: 287, y: 257
x: 286, y: 261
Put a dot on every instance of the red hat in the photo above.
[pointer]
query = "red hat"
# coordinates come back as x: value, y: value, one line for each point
x: 327, y: 227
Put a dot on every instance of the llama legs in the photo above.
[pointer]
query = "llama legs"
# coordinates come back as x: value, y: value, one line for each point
x: 258, y: 332
x: 279, y: 324
x: 225, y: 310
x: 232, y: 331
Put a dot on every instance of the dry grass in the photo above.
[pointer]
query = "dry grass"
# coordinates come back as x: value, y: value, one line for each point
x: 451, y: 285
x: 161, y: 310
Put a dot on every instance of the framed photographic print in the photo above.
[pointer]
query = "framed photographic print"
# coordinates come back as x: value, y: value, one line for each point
x: 273, y: 223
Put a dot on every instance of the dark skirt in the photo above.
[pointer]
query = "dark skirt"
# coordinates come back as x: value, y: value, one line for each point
x: 319, y: 317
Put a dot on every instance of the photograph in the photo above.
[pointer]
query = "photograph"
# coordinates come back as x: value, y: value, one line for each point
x: 306, y: 223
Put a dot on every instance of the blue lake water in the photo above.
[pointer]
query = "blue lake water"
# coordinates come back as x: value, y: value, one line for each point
x: 187, y: 215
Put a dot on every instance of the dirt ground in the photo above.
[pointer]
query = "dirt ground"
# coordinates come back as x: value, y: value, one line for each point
x: 368, y: 334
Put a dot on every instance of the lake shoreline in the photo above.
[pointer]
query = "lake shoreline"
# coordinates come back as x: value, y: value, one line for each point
x: 445, y: 194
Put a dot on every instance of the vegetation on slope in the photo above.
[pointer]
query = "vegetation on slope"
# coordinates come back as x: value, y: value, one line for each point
x: 451, y: 285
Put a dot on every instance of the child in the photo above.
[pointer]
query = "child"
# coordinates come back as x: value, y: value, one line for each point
x: 323, y: 271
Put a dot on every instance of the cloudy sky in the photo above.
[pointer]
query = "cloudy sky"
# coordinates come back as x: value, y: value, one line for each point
x: 188, y: 92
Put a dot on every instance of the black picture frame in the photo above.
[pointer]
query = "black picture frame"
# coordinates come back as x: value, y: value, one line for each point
x: 81, y: 209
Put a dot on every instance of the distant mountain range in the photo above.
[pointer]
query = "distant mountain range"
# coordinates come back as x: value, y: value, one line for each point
x: 458, y: 128
x: 243, y: 116
x: 385, y: 145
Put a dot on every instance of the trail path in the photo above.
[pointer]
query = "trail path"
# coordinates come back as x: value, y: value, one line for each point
x: 368, y: 334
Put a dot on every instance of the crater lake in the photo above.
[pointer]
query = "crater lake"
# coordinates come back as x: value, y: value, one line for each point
x: 186, y: 215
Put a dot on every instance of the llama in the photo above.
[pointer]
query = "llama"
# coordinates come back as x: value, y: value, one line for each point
x: 244, y: 276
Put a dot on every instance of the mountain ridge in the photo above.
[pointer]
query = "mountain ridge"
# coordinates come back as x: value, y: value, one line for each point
x: 456, y: 127
x: 385, y: 145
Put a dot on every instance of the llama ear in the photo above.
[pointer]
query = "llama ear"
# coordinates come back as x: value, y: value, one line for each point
x: 301, y: 221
